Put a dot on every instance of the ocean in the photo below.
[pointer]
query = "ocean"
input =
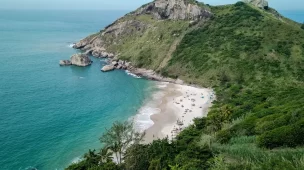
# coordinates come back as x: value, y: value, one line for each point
x: 51, y: 115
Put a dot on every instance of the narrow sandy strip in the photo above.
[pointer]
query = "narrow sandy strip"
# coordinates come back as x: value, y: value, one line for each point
x: 179, y: 106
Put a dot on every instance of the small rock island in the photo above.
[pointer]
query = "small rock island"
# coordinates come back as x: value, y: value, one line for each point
x: 80, y: 60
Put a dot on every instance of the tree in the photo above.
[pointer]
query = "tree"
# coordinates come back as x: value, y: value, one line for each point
x: 105, y: 155
x: 302, y: 26
x: 120, y: 136
x: 91, y: 158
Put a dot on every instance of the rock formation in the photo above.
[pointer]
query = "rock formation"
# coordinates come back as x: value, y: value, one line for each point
x: 65, y: 62
x: 122, y: 29
x: 174, y: 9
x: 258, y: 3
x: 107, y: 68
x: 81, y: 60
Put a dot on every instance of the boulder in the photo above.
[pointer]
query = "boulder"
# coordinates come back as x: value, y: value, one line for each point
x: 128, y: 64
x: 65, y: 62
x: 124, y: 67
x: 114, y: 63
x: 119, y: 66
x: 121, y: 62
x: 104, y: 54
x: 107, y: 68
x: 115, y: 59
x: 81, y: 60
x: 96, y: 53
x: 110, y: 55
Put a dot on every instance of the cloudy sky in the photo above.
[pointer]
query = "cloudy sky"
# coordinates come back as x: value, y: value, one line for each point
x: 123, y: 4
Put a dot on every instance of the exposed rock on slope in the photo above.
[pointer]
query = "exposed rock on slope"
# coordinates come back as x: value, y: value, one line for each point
x: 258, y: 3
x: 138, y: 35
x: 174, y: 9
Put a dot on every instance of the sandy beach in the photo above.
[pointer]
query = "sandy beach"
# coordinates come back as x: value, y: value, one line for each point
x: 174, y: 108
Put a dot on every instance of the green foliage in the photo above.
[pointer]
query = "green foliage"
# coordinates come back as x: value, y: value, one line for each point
x: 302, y: 26
x: 183, y: 153
x: 290, y: 135
x: 93, y: 161
x: 239, y: 44
x: 119, y: 137
x: 241, y: 153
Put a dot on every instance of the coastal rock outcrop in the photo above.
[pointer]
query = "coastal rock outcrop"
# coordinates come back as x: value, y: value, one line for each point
x: 81, y: 60
x: 65, y: 62
x: 107, y: 68
x: 149, y: 17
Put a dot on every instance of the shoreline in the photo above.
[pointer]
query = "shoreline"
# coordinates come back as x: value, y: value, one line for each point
x: 171, y: 109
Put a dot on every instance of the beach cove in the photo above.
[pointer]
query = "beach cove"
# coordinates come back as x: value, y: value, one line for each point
x: 171, y: 109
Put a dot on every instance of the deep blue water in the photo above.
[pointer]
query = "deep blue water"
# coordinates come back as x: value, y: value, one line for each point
x: 51, y: 115
x: 294, y: 15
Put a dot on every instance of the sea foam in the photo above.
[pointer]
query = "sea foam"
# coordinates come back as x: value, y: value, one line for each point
x: 142, y: 120
x: 133, y: 75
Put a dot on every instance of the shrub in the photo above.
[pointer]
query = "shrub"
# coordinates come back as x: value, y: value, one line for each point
x: 290, y: 136
x: 224, y: 136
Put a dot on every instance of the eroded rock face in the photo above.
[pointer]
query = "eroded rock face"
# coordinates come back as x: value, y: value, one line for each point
x: 174, y: 9
x: 81, y: 60
x: 259, y: 3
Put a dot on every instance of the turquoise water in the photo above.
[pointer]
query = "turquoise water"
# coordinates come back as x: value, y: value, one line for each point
x: 51, y: 115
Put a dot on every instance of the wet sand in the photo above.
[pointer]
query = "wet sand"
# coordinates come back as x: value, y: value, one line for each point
x: 179, y: 106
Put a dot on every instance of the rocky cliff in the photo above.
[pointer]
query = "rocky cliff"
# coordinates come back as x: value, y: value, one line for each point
x: 258, y: 3
x: 174, y: 9
x: 147, y: 36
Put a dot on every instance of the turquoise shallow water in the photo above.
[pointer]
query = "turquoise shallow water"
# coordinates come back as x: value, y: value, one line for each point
x: 51, y: 115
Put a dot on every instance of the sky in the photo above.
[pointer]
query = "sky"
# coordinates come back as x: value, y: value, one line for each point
x: 123, y: 4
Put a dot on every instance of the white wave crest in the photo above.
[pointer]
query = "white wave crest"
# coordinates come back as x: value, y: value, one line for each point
x: 142, y: 120
x: 133, y: 75
x: 76, y: 160
x: 71, y: 45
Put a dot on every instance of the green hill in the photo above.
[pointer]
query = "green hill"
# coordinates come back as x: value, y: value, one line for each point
x: 253, y: 58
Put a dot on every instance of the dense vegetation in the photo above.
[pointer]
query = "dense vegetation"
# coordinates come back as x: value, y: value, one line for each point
x: 254, y: 61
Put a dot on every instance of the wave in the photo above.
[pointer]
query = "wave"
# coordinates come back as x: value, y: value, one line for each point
x: 71, y: 45
x: 76, y: 160
x: 133, y: 75
x: 142, y: 120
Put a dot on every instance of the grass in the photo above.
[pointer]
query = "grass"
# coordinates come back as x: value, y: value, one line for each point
x: 148, y: 46
x: 242, y: 153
